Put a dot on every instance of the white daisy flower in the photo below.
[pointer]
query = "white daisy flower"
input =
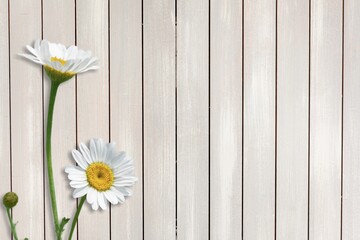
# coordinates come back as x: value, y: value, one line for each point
x: 60, y: 63
x: 102, y: 175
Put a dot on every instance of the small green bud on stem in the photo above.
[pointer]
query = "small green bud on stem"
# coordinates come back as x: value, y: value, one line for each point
x: 10, y: 200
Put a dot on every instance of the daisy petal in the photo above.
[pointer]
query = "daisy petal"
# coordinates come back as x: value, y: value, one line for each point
x: 116, y: 161
x: 110, y: 152
x: 128, y: 178
x: 123, y: 183
x: 79, y: 192
x: 86, y: 153
x: 118, y: 194
x: 37, y: 45
x: 74, y: 169
x: 93, y: 152
x: 67, y: 66
x: 82, y: 64
x: 73, y: 68
x: 31, y: 58
x: 71, y: 52
x: 111, y: 197
x: 125, y: 170
x: 102, y: 201
x: 78, y: 184
x: 100, y: 149
x: 79, y: 159
x: 125, y: 191
x: 32, y: 51
x: 95, y: 206
x: 77, y: 177
x: 88, y: 66
x: 91, y: 197
x: 44, y: 50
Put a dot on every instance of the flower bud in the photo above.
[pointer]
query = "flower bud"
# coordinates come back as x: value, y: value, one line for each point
x: 10, y: 200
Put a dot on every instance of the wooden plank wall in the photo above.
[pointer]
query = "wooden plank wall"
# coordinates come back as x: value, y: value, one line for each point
x: 292, y: 119
x: 242, y: 116
x: 26, y: 126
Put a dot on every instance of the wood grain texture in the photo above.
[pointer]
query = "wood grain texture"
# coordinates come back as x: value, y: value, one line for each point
x: 5, y: 118
x: 93, y: 100
x: 351, y: 167
x: 292, y: 119
x: 259, y: 119
x: 64, y: 124
x: 159, y: 120
x: 325, y: 119
x: 226, y: 120
x: 27, y: 120
x: 126, y: 108
x: 193, y: 116
x: 192, y: 120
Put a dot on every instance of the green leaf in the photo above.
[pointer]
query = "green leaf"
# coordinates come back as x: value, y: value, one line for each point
x: 63, y: 222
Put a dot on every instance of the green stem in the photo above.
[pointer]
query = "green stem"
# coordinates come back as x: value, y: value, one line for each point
x: 76, y: 216
x: 53, y: 91
x: 12, y: 225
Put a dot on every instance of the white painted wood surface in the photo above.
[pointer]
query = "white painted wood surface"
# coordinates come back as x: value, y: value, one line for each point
x: 159, y: 120
x: 226, y: 120
x: 351, y: 144
x: 27, y: 120
x: 193, y: 120
x: 325, y: 120
x: 259, y: 119
x: 231, y: 109
x: 292, y: 119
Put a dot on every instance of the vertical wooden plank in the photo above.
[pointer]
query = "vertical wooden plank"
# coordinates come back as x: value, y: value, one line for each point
x: 159, y: 119
x: 226, y: 120
x: 27, y: 120
x: 5, y: 138
x: 126, y: 108
x: 325, y: 119
x: 351, y: 187
x: 292, y: 119
x: 193, y: 120
x: 93, y: 100
x: 259, y: 119
x: 64, y: 125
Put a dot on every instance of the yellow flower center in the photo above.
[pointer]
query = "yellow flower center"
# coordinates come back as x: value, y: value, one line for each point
x: 56, y: 59
x: 100, y: 176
